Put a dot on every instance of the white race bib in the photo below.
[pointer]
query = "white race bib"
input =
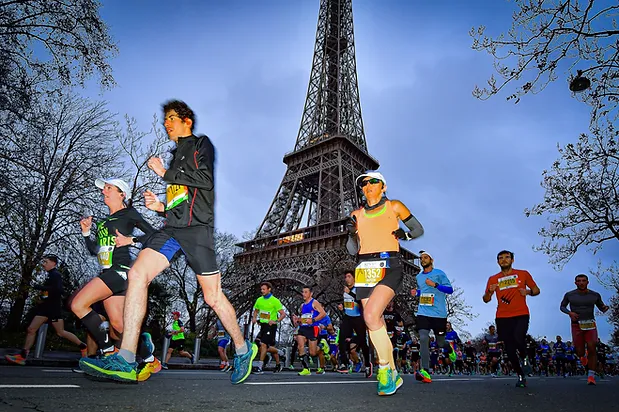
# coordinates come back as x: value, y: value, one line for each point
x: 368, y: 274
x: 105, y: 256
x: 508, y: 282
x: 586, y: 324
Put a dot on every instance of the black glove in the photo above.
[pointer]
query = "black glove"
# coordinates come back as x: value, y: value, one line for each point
x: 351, y: 226
x: 401, y: 234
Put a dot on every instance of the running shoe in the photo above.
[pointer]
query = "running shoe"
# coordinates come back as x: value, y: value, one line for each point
x: 16, y: 359
x: 522, y: 382
x: 77, y: 370
x: 149, y: 346
x: 113, y: 367
x: 325, y: 346
x: 423, y: 376
x: 278, y: 368
x: 526, y: 366
x: 452, y: 355
x: 164, y: 366
x: 242, y: 364
x: 591, y: 380
x: 148, y: 369
x: 304, y: 372
x: 320, y: 371
x: 343, y: 369
x: 291, y: 367
x: 398, y: 381
x: 228, y: 368
x: 358, y: 367
x: 257, y: 371
x: 222, y: 366
x: 386, y: 383
x: 368, y: 371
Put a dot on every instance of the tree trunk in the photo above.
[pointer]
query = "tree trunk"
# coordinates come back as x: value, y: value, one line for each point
x: 17, y: 310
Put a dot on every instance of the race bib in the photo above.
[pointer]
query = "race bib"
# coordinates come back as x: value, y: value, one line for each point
x: 491, y: 345
x: 586, y: 324
x: 508, y: 282
x: 221, y: 334
x: 175, y: 195
x: 368, y: 274
x: 426, y: 299
x: 307, y: 319
x: 349, y: 304
x: 265, y: 315
x: 105, y: 256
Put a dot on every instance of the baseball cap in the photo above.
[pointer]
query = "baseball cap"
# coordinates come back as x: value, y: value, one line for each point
x: 119, y: 183
x: 371, y: 174
x: 423, y: 252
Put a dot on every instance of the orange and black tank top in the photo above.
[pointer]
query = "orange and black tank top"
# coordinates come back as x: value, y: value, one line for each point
x: 375, y: 229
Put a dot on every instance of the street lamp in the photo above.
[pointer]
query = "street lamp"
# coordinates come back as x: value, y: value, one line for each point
x: 580, y: 83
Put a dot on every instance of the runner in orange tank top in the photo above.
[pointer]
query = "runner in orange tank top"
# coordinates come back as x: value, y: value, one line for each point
x: 374, y: 234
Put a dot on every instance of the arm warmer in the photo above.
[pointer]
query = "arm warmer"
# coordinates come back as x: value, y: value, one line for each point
x: 414, y: 227
x: 445, y: 289
x: 352, y: 245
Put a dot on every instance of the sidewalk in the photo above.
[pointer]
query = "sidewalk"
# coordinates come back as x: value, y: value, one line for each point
x: 70, y: 360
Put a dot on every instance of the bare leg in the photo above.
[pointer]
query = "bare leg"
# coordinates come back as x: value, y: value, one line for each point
x: 169, y: 355
x: 114, y: 307
x: 146, y: 267
x: 93, y: 291
x: 59, y: 327
x: 215, y: 298
x: 31, y: 335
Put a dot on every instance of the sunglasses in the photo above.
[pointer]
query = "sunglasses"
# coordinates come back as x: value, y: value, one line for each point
x: 372, y: 181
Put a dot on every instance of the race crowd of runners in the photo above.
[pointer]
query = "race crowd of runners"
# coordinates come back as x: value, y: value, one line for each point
x: 369, y: 338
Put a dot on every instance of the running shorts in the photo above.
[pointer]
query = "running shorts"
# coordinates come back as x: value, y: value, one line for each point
x: 438, y: 325
x: 177, y: 344
x: 392, y: 279
x: 222, y: 343
x: 195, y: 242
x: 51, y: 310
x: 115, y: 280
x: 581, y: 337
x: 267, y: 334
x: 310, y: 332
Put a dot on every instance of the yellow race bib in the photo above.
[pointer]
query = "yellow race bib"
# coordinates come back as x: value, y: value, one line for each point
x: 175, y: 195
x: 105, y: 256
x: 426, y: 299
x: 586, y: 324
x: 368, y: 274
x: 508, y: 282
x: 221, y: 334
x: 307, y: 319
x: 265, y: 316
x: 350, y: 305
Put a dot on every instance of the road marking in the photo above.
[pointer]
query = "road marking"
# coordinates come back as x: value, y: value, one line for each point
x: 58, y: 370
x: 38, y: 386
x: 306, y: 383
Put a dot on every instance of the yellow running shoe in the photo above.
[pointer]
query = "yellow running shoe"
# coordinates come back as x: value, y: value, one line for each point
x: 149, y: 369
x: 305, y: 372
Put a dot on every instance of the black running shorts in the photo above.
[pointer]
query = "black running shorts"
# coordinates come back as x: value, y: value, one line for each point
x: 177, y: 344
x: 267, y: 334
x: 438, y: 325
x: 195, y: 242
x: 115, y: 280
x: 393, y: 276
x: 310, y: 332
x: 51, y: 310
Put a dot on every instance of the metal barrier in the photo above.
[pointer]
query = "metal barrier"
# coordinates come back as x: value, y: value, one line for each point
x: 40, y: 343
x: 164, y: 349
x: 196, y: 350
x: 287, y: 351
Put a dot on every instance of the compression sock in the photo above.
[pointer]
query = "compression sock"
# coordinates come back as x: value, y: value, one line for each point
x: 383, y: 346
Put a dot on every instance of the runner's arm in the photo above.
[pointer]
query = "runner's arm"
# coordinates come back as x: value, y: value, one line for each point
x: 144, y: 226
x: 601, y: 306
x: 564, y: 304
x: 444, y: 285
x: 321, y: 311
x: 282, y: 315
x: 415, y: 229
x: 202, y: 176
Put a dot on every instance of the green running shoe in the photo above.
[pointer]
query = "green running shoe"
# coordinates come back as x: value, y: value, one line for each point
x: 386, y: 383
x: 398, y: 381
x: 305, y: 372
x: 452, y: 355
x: 113, y: 367
x: 320, y: 371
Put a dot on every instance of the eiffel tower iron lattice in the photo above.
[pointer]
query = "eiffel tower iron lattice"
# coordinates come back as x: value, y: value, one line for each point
x: 302, y: 238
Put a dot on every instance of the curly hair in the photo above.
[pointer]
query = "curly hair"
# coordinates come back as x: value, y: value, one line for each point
x: 182, y: 110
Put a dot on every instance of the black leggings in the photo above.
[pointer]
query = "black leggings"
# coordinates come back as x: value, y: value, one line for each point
x: 356, y: 324
x: 513, y: 333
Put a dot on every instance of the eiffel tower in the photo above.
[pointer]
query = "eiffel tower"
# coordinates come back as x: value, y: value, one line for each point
x: 302, y: 239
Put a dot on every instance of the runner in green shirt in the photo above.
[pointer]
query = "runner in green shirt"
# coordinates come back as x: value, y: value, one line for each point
x: 177, y: 340
x: 268, y: 312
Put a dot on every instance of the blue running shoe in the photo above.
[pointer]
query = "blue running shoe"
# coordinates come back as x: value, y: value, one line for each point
x: 242, y: 364
x: 358, y: 367
x: 110, y: 367
x: 386, y: 383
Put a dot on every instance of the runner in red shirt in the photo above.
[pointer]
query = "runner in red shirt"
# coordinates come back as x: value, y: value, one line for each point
x: 512, y: 315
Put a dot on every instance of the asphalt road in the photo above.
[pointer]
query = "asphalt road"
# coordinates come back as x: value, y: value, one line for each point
x: 59, y: 389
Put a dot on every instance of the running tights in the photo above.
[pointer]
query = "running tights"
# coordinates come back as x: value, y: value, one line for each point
x: 513, y: 332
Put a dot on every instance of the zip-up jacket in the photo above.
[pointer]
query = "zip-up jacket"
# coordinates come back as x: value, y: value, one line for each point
x: 190, y: 194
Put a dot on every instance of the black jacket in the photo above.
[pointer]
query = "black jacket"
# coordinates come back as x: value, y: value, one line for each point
x: 190, y: 197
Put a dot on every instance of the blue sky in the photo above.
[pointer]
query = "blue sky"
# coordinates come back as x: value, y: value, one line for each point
x: 466, y: 168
